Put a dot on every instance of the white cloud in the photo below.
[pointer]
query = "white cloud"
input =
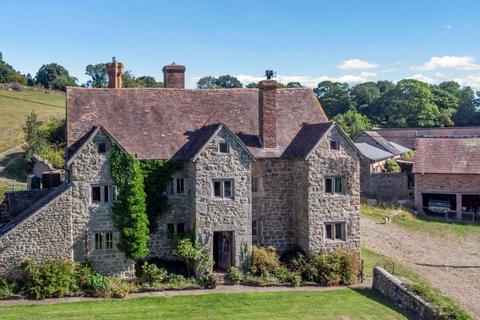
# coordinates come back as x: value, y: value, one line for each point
x: 449, y: 62
x: 471, y: 80
x: 368, y: 74
x: 448, y: 27
x: 422, y: 77
x: 389, y: 70
x: 356, y: 64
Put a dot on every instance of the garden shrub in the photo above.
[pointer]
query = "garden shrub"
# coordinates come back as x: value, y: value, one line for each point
x: 7, y: 287
x: 151, y: 275
x: 336, y: 268
x: 192, y: 254
x: 119, y: 288
x: 264, y: 260
x: 54, y: 278
x: 235, y: 275
x: 392, y: 166
x: 284, y: 275
x: 207, y: 281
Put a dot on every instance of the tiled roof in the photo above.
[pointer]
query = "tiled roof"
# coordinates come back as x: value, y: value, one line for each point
x: 447, y: 155
x: 373, y: 153
x: 157, y: 123
x: 406, y: 136
x: 306, y: 139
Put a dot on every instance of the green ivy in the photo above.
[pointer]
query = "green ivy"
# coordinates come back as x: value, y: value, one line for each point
x: 156, y: 174
x: 129, y: 210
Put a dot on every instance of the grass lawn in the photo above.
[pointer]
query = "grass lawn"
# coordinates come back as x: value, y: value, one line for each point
x: 16, y: 105
x: 336, y: 304
x: 407, y: 220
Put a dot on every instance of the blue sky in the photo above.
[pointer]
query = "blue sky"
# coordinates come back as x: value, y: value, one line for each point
x: 351, y: 41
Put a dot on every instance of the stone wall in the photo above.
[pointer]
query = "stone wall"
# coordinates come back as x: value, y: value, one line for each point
x: 43, y: 235
x: 393, y: 289
x: 181, y: 209
x: 21, y: 200
x: 87, y: 169
x: 272, y: 205
x: 214, y: 214
x: 336, y: 207
x: 383, y: 185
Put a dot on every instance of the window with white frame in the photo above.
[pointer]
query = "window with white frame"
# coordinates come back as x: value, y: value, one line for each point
x: 333, y: 185
x: 175, y: 186
x: 102, y: 194
x: 223, y: 147
x: 103, y: 240
x: 223, y: 188
x: 335, y: 231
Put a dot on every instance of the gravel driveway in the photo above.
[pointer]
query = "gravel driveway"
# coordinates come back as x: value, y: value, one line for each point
x: 450, y: 263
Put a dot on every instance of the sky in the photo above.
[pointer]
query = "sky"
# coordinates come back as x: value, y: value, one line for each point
x: 305, y: 41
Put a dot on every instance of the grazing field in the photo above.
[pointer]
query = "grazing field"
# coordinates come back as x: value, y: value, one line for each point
x: 336, y: 304
x: 16, y: 105
x: 405, y: 219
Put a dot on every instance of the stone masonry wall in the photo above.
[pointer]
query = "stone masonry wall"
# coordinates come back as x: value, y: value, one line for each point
x: 337, y: 207
x: 272, y: 205
x: 393, y: 289
x: 445, y: 183
x: 21, y: 200
x: 87, y: 169
x: 181, y: 209
x: 214, y: 214
x: 46, y: 234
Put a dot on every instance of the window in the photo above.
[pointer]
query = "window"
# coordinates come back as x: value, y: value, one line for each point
x: 169, y: 186
x: 254, y: 228
x: 102, y: 147
x: 334, y: 145
x: 106, y: 193
x: 180, y: 228
x: 180, y: 185
x: 170, y: 230
x: 223, y: 147
x: 254, y: 184
x: 96, y: 197
x: 223, y: 188
x: 108, y: 240
x: 335, y: 231
x: 98, y: 241
x: 333, y: 185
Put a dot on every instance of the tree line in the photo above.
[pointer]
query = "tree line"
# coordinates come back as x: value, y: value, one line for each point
x: 55, y: 76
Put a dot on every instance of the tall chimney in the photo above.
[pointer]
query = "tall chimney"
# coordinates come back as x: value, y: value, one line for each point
x: 267, y: 116
x: 114, y: 71
x: 174, y: 76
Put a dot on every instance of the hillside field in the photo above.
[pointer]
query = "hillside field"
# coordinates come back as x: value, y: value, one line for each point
x: 16, y: 105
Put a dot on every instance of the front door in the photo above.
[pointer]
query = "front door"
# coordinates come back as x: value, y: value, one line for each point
x: 222, y: 249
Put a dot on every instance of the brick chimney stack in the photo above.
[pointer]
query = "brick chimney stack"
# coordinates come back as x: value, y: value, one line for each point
x: 114, y: 71
x: 174, y: 76
x: 267, y: 116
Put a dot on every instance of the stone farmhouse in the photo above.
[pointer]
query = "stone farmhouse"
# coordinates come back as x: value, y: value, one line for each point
x: 261, y: 166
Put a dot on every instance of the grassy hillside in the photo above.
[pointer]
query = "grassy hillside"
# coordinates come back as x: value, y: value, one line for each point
x: 16, y: 105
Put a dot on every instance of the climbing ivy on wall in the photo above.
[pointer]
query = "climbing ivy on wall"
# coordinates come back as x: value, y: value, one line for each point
x: 141, y: 198
x: 156, y: 174
x: 129, y: 210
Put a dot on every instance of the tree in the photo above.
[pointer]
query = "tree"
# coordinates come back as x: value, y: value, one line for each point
x: 99, y: 76
x: 466, y: 113
x: 392, y: 166
x: 9, y: 74
x: 47, y: 74
x: 364, y: 95
x: 62, y: 82
x: 34, y: 139
x: 228, y: 81
x: 294, y: 84
x: 207, y: 82
x: 149, y: 82
x: 353, y: 122
x: 129, y: 80
x: 251, y: 85
x: 334, y: 97
x: 410, y: 104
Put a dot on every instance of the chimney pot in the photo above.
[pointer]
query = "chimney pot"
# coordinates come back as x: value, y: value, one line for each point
x: 114, y: 71
x: 174, y: 76
x: 267, y: 107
